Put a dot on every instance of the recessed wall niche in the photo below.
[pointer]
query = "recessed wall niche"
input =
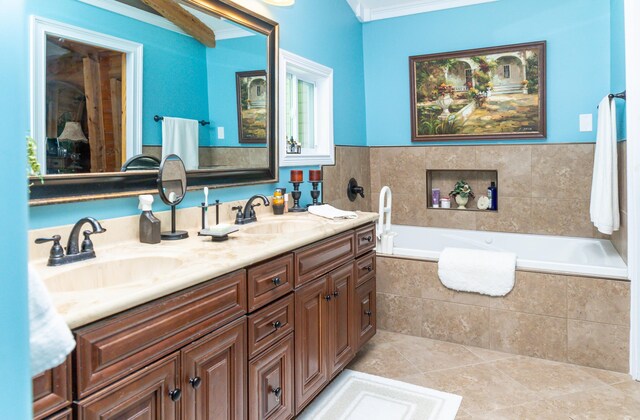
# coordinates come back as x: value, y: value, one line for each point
x: 445, y: 180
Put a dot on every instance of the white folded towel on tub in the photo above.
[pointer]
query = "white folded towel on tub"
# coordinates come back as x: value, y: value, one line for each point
x: 50, y: 338
x: 470, y: 270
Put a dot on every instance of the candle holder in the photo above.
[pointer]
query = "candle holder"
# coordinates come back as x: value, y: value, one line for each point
x: 296, y: 194
x: 315, y: 192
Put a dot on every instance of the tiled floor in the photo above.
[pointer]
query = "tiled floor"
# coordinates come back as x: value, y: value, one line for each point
x: 499, y: 385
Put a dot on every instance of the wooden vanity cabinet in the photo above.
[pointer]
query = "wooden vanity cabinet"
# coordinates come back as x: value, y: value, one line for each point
x: 365, y: 309
x: 341, y: 342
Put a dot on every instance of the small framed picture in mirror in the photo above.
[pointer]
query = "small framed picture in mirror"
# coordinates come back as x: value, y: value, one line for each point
x: 251, y: 91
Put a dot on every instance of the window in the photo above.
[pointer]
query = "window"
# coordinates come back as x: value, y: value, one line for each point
x: 306, y: 112
x: 506, y: 70
x: 468, y: 76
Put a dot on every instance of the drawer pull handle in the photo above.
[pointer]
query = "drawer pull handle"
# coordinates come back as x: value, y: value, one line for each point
x: 277, y: 325
x: 278, y: 393
x: 367, y: 238
x: 276, y: 281
x: 368, y: 313
x: 336, y: 293
x: 175, y: 394
x: 327, y: 298
x: 195, y: 382
x: 369, y: 268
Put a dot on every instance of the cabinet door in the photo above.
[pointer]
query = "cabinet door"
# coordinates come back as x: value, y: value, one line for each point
x: 366, y: 312
x: 341, y: 337
x: 271, y: 383
x: 214, y: 371
x: 152, y: 393
x: 52, y: 390
x: 311, y: 341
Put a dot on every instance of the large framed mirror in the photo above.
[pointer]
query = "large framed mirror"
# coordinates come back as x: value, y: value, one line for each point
x: 118, y: 84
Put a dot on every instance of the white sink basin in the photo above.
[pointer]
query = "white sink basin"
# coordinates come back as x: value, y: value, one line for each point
x: 274, y: 227
x: 94, y: 275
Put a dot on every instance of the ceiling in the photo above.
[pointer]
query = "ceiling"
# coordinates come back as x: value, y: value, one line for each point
x: 370, y: 10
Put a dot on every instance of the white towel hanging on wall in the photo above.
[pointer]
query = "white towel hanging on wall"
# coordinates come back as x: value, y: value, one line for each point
x: 180, y: 137
x: 604, y: 208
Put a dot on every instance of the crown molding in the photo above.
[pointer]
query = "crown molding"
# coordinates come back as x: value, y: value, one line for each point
x: 366, y: 13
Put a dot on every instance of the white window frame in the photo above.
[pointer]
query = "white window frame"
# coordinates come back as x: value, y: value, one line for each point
x: 322, y: 77
x: 40, y: 29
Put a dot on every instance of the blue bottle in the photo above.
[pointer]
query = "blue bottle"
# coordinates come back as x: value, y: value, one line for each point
x: 492, y: 194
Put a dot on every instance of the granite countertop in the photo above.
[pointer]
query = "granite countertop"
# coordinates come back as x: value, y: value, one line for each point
x: 78, y: 290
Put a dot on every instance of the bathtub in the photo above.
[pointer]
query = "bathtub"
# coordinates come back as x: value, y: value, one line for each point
x: 555, y: 254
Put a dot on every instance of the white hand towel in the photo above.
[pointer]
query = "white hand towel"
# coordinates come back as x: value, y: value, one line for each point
x: 50, y: 338
x: 469, y: 270
x: 329, y: 212
x: 604, y: 209
x: 180, y: 137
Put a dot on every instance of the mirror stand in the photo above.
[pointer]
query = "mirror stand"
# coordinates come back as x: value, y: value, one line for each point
x: 172, y: 186
x: 174, y: 234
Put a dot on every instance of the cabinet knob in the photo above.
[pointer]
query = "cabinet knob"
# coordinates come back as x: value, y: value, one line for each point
x: 276, y: 281
x: 368, y: 238
x: 368, y: 313
x: 195, y: 382
x: 369, y: 268
x: 277, y: 324
x: 278, y: 393
x: 327, y: 298
x: 175, y: 394
x: 336, y: 293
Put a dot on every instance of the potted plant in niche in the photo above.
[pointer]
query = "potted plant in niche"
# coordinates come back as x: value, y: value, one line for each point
x: 462, y: 191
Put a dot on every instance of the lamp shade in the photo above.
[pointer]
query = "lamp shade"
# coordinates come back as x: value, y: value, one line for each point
x: 280, y: 2
x: 72, y: 131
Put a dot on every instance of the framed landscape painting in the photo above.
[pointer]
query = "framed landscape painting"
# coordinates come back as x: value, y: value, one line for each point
x: 488, y: 93
x: 251, y: 92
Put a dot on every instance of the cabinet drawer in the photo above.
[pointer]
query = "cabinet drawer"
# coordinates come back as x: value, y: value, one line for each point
x: 365, y: 239
x: 143, y: 395
x: 52, y: 390
x: 62, y: 415
x: 271, y: 383
x: 113, y: 348
x: 365, y: 268
x: 270, y: 324
x: 269, y: 281
x: 366, y: 307
x: 321, y: 257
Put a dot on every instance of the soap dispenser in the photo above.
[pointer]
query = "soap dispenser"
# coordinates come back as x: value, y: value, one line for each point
x: 492, y: 194
x: 149, y: 224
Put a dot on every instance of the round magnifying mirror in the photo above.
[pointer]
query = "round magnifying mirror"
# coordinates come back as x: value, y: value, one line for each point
x: 172, y: 186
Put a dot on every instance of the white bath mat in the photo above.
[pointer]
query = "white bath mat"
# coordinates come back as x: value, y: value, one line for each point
x: 360, y: 396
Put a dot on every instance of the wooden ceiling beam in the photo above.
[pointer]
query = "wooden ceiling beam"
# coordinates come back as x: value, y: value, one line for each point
x: 180, y: 17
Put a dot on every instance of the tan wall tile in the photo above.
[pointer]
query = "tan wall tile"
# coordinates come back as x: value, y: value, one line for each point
x: 598, y: 300
x: 529, y: 335
x: 598, y: 345
x: 450, y: 157
x: 536, y: 293
x: 513, y: 164
x: 454, y: 219
x: 562, y: 170
x: 457, y: 323
x: 562, y: 217
x: 400, y: 168
x: 351, y: 162
x: 513, y: 215
x: 401, y: 277
x: 399, y: 314
x: 620, y: 239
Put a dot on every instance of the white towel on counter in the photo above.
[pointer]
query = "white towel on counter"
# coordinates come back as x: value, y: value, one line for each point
x: 180, y: 137
x: 604, y: 209
x: 329, y: 212
x: 470, y: 270
x: 50, y: 339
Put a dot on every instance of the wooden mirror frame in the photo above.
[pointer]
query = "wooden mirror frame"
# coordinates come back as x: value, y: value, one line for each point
x: 84, y: 187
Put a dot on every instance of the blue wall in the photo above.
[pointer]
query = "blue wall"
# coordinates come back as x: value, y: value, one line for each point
x: 618, y: 81
x: 15, y: 401
x: 578, y: 70
x: 166, y: 54
x: 228, y: 57
x: 326, y: 32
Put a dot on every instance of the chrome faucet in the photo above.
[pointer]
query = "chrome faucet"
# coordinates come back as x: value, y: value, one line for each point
x: 74, y: 252
x: 249, y: 214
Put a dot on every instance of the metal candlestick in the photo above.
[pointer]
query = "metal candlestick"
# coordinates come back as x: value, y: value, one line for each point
x: 295, y: 194
x: 315, y: 192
